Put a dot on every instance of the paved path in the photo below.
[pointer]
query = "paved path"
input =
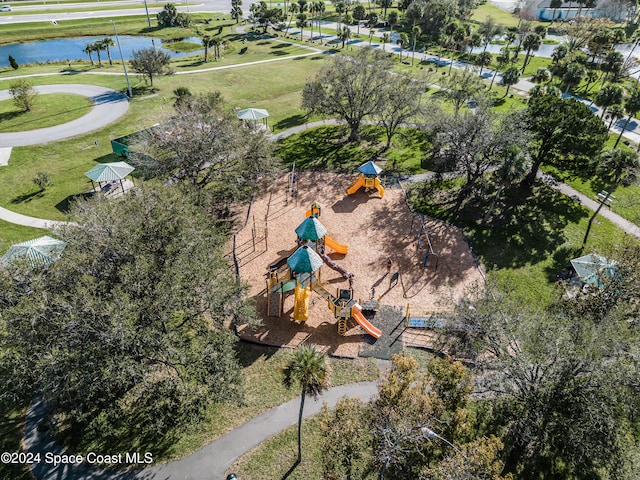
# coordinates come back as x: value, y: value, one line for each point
x: 210, y: 462
x: 109, y: 105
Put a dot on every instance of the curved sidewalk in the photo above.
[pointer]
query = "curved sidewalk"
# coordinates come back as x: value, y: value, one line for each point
x: 210, y: 462
x: 109, y: 105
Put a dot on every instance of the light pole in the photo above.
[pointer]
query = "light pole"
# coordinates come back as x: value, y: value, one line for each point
x: 124, y: 66
x: 428, y: 433
x: 146, y: 9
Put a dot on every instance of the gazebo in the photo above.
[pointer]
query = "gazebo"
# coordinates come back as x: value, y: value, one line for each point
x: 39, y: 252
x: 593, y: 268
x: 253, y: 115
x: 109, y: 172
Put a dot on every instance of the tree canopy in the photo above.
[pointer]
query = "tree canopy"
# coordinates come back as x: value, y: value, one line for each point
x: 350, y: 87
x: 566, y: 134
x: 125, y: 333
x: 205, y: 146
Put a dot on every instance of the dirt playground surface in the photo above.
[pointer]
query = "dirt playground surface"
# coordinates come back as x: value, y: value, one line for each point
x: 375, y: 230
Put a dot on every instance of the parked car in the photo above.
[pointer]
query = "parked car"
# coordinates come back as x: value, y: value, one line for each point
x: 5, y: 8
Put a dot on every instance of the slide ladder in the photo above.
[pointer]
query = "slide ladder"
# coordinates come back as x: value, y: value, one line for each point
x: 356, y: 313
x: 274, y: 304
x: 335, y: 246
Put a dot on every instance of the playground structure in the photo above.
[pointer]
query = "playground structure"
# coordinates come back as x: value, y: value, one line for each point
x: 369, y: 178
x: 423, y: 243
x: 301, y: 273
x: 374, y: 231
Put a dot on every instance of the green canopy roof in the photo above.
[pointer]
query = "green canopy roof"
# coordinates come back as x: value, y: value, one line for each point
x: 304, y: 260
x: 311, y: 229
x: 38, y: 252
x: 107, y: 172
x: 252, y: 114
x: 593, y: 268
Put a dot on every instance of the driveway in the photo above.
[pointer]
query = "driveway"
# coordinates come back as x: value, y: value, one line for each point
x: 109, y: 105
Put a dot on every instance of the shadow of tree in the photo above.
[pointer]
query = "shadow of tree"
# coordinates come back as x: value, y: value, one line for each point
x: 527, y: 231
x: 27, y: 197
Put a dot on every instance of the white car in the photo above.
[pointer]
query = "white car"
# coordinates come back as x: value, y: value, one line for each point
x: 5, y: 8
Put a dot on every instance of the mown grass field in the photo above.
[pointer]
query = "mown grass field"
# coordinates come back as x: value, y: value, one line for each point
x: 48, y: 110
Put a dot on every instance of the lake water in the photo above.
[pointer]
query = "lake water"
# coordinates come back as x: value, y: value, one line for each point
x: 71, y: 49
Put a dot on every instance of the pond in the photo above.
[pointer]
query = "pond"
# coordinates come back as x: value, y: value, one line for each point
x: 66, y: 49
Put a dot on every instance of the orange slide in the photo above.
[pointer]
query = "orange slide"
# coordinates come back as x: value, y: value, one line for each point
x: 355, y: 186
x: 335, y: 246
x: 356, y: 313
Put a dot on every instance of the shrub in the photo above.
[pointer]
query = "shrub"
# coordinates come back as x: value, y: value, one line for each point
x: 42, y: 180
x: 13, y: 63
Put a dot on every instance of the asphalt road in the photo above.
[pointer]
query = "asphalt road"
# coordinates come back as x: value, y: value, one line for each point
x: 109, y: 105
x: 56, y: 10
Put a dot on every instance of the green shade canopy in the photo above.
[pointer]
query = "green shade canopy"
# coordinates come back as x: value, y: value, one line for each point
x: 311, y: 229
x: 252, y: 114
x: 593, y: 268
x: 107, y: 172
x: 304, y: 260
x: 369, y: 168
x: 38, y: 252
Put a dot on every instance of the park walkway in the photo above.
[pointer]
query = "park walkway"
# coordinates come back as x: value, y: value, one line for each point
x: 209, y: 463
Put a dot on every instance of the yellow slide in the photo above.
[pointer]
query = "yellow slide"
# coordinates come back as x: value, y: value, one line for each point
x: 335, y: 246
x: 356, y: 313
x: 378, y: 186
x: 301, y: 308
x: 359, y: 182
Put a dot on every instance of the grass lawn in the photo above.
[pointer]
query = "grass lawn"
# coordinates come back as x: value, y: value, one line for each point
x: 325, y: 148
x: 528, y: 243
x: 263, y: 388
x: 67, y: 161
x: 273, y: 458
x: 89, y: 8
x: 12, y: 233
x: 481, y: 12
x: 130, y: 25
x: 48, y: 110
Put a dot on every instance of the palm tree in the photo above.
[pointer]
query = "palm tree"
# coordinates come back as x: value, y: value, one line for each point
x: 607, y: 96
x: 483, y: 59
x: 632, y: 106
x: 293, y: 9
x: 542, y: 75
x: 107, y: 43
x: 89, y: 49
x: 573, y: 76
x: 503, y: 60
x: 341, y: 7
x: 385, y: 39
x: 359, y: 13
x: 393, y: 21
x: 487, y: 30
x: 403, y: 41
x: 320, y: 8
x: 555, y: 4
x: 97, y: 47
x: 384, y: 4
x: 531, y: 43
x: 416, y: 31
x: 308, y: 368
x: 612, y: 64
x: 301, y: 22
x: 344, y: 35
x: 510, y: 77
x: 207, y: 42
x: 474, y: 41
x: 618, y: 167
x: 615, y: 113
